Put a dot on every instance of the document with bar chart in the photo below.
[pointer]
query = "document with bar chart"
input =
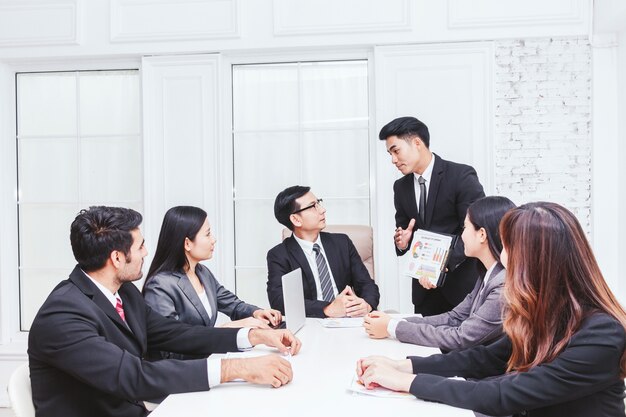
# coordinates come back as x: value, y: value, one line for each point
x: 427, y: 256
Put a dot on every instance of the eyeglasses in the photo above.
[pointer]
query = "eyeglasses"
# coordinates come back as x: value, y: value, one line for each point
x: 317, y: 205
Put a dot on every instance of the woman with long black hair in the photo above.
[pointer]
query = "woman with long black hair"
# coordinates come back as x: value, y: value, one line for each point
x: 179, y: 286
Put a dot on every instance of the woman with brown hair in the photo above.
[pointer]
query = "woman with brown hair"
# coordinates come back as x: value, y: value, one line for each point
x: 563, y: 349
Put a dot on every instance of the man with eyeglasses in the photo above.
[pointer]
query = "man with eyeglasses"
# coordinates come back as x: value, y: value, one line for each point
x: 335, y: 281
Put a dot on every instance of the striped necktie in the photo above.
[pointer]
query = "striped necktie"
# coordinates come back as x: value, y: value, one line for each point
x: 324, y: 274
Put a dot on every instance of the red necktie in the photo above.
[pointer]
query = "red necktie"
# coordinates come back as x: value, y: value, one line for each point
x: 120, y: 309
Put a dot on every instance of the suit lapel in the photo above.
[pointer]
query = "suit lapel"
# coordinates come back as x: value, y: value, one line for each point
x: 88, y: 288
x: 480, y: 298
x: 132, y: 316
x: 409, y: 196
x: 295, y: 250
x: 185, y: 285
x: 332, y: 256
x: 433, y: 189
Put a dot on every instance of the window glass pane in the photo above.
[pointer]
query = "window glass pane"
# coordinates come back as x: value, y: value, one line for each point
x: 45, y: 235
x: 346, y: 151
x: 347, y: 211
x: 46, y: 104
x: 262, y: 173
x: 334, y: 94
x: 35, y: 285
x: 265, y: 97
x: 251, y: 286
x: 47, y: 170
x: 101, y: 93
x: 256, y: 231
x: 111, y: 169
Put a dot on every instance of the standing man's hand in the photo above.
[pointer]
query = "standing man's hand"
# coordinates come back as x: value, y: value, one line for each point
x: 426, y: 283
x: 402, y: 237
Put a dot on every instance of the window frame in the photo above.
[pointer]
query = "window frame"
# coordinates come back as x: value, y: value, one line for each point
x: 13, y: 341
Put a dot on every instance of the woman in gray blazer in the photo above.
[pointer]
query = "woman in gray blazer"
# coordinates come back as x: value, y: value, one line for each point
x: 478, y: 318
x: 178, y: 286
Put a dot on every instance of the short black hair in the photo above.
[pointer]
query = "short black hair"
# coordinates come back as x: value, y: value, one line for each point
x: 285, y: 203
x: 100, y: 230
x: 405, y: 128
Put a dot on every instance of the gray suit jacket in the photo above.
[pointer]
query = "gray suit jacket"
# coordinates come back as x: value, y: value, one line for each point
x: 172, y: 295
x: 475, y: 321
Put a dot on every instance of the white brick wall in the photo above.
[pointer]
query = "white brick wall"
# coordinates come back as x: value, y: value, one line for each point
x: 542, y: 122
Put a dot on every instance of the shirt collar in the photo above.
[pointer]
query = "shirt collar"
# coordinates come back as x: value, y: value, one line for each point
x: 428, y: 172
x: 104, y: 290
x: 489, y: 272
x: 307, y: 246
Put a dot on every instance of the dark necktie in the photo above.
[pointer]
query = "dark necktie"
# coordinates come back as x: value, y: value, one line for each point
x: 120, y: 309
x: 324, y: 274
x: 422, y: 205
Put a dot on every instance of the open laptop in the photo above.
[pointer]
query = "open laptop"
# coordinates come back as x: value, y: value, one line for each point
x: 293, y: 296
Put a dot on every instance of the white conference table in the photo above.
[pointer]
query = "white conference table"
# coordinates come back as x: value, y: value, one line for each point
x: 322, y: 373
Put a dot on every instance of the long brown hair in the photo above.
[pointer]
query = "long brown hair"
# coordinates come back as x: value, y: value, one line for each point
x: 553, y: 283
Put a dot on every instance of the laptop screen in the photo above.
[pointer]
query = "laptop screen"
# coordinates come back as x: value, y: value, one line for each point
x: 293, y: 296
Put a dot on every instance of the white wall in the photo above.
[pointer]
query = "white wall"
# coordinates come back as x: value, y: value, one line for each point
x: 543, y: 38
x: 542, y: 118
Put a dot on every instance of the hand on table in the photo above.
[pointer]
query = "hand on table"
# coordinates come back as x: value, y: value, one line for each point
x: 357, y: 307
x: 376, y: 323
x: 283, y: 340
x: 381, y: 371
x: 247, y: 322
x: 269, y: 369
x: 270, y: 316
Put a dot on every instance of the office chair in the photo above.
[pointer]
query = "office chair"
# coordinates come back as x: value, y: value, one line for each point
x: 20, y: 393
x: 361, y: 236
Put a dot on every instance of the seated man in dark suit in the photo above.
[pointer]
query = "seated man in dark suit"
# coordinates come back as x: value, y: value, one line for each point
x: 87, y: 343
x: 335, y: 281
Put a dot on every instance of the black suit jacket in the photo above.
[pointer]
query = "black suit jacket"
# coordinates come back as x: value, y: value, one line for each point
x: 85, y: 361
x: 343, y: 260
x: 453, y: 187
x: 582, y: 381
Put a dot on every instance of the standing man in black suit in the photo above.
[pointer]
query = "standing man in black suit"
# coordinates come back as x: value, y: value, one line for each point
x: 433, y: 195
x: 87, y: 344
x: 335, y: 281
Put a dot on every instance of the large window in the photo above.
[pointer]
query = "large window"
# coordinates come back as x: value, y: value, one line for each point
x: 79, y: 144
x: 295, y: 123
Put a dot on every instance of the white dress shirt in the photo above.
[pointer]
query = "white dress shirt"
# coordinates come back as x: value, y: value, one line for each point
x: 393, y: 323
x: 307, y: 248
x: 205, y: 302
x: 214, y: 365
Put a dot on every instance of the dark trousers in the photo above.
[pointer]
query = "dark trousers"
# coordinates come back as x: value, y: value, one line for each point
x: 433, y: 303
